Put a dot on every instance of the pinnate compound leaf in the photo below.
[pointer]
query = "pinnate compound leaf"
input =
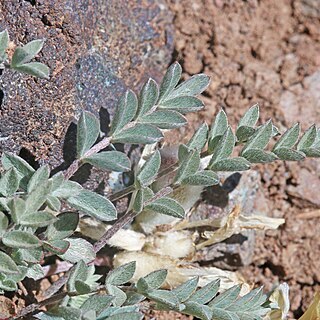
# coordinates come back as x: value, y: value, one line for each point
x: 7, y: 265
x: 149, y: 170
x: 97, y: 303
x: 36, y: 69
x: 259, y: 156
x: 186, y: 289
x: 24, y: 170
x: 188, y: 165
x: 182, y: 104
x: 199, y: 139
x: 110, y: 160
x: 199, y: 310
x: 163, y: 297
x: 202, y: 178
x: 9, y: 182
x: 79, y: 249
x: 24, y: 54
x: 225, y: 299
x: 206, y: 293
x: 231, y: 164
x: 224, y: 147
x: 289, y: 138
x: 260, y: 138
x: 94, y: 205
x: 308, y: 138
x: 164, y: 119
x: 167, y: 206
x: 138, y: 134
x: 125, y: 111
x: 122, y: 274
x: 37, y: 219
x: 87, y: 132
x: 39, y: 178
x: 191, y: 87
x: 148, y: 97
x: 284, y: 153
x: 170, y: 80
x: 312, y: 152
x: 20, y: 239
x: 64, y: 227
x: 4, y: 42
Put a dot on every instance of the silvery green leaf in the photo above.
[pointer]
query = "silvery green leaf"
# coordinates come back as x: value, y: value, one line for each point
x: 191, y: 87
x: 17, y: 208
x: 218, y: 128
x: 165, y: 297
x: 37, y: 219
x: 226, y: 298
x: 259, y: 156
x: 224, y: 147
x: 119, y: 296
x: 122, y: 274
x: 182, y: 104
x: 94, y: 205
x: 200, y: 311
x: 7, y: 284
x: 19, y: 276
x: 9, y: 182
x: 97, y: 302
x: 63, y: 312
x: 4, y: 42
x: 206, y: 293
x: 125, y: 111
x: 110, y: 160
x: 183, y: 152
x: 308, y: 138
x: 199, y: 139
x: 33, y: 255
x: 89, y: 315
x: 87, y: 132
x: 133, y: 298
x: 79, y: 249
x: 127, y: 316
x: 138, y: 134
x: 186, y: 289
x: 149, y: 170
x: 288, y: 154
x: 20, y: 239
x: 56, y: 181
x: 231, y: 164
x: 24, y: 54
x: 4, y: 222
x: 64, y: 227
x: 67, y: 189
x: 53, y: 203
x: 155, y: 279
x: 38, y: 197
x: 164, y: 119
x: 202, y: 178
x: 39, y: 178
x: 248, y: 301
x: 36, y: 69
x: 250, y: 118
x: 244, y: 133
x: 311, y: 152
x: 148, y: 97
x: 170, y: 80
x: 81, y: 287
x: 57, y: 246
x: 167, y: 206
x: 289, y: 138
x: 138, y: 201
x: 80, y: 272
x: 4, y: 204
x: 7, y: 265
x: 24, y: 170
x: 188, y: 166
x: 35, y: 272
x: 275, y: 131
x: 260, y: 138
x: 226, y: 315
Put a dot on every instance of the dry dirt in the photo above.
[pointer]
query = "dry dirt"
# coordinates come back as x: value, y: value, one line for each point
x: 265, y: 52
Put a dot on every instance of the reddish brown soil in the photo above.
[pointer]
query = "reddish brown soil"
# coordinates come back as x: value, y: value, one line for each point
x: 265, y: 52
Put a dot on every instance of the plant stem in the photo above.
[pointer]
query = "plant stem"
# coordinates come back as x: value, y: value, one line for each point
x: 76, y: 164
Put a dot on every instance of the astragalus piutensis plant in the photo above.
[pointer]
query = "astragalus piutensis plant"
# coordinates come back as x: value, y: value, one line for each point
x: 35, y: 224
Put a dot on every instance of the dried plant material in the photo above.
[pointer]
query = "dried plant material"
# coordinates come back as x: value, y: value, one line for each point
x: 178, y: 272
x: 313, y: 312
x: 280, y: 303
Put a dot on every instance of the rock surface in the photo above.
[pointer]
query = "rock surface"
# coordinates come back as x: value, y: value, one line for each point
x: 95, y: 50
